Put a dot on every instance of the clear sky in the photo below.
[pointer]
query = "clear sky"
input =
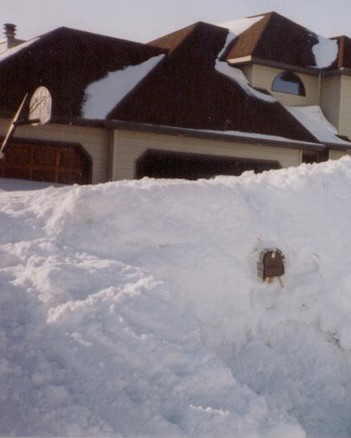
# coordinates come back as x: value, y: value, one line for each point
x: 145, y: 20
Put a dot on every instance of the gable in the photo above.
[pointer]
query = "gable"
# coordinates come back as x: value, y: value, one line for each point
x: 65, y: 61
x: 188, y: 90
x: 277, y: 39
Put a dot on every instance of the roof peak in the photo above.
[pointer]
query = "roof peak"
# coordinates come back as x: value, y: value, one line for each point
x: 172, y: 40
x: 276, y: 38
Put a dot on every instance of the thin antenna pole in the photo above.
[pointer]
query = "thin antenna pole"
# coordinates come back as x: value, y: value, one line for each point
x: 12, y: 128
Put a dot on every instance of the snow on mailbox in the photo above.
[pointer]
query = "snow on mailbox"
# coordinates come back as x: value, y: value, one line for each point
x: 271, y: 264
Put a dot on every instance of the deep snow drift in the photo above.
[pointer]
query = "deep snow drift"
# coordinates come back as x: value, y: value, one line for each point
x: 135, y: 309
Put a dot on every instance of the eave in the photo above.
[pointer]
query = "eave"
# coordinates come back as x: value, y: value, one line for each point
x: 312, y: 71
x: 223, y: 136
x: 250, y: 60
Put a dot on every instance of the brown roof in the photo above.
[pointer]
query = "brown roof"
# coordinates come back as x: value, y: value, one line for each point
x: 344, y: 54
x: 277, y: 39
x: 185, y: 90
x: 172, y: 40
x: 65, y: 61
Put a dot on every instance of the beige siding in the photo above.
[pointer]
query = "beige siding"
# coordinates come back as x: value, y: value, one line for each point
x: 330, y: 99
x: 335, y: 155
x: 336, y: 102
x: 129, y: 146
x: 345, y: 106
x: 262, y: 77
x: 93, y: 140
x: 248, y: 71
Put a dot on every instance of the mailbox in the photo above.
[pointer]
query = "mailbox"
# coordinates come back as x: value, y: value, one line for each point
x: 271, y: 264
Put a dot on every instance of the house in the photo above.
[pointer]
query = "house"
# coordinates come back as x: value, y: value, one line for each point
x: 254, y: 94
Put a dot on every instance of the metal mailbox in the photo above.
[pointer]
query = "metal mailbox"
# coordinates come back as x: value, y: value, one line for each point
x: 271, y: 264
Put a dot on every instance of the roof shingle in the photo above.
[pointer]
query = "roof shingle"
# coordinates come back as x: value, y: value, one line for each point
x: 185, y: 90
x: 277, y: 39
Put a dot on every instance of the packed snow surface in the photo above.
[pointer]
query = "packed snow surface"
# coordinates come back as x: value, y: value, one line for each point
x: 135, y: 308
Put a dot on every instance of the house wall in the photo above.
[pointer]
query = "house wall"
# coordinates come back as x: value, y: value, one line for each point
x: 345, y: 106
x: 331, y: 99
x: 262, y: 77
x: 115, y: 153
x: 130, y: 145
x: 335, y: 155
x: 94, y: 140
x: 331, y: 93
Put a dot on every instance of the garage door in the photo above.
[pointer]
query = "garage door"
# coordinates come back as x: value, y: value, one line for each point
x: 165, y: 164
x: 57, y: 163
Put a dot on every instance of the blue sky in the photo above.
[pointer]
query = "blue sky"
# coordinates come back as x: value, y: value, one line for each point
x: 144, y: 20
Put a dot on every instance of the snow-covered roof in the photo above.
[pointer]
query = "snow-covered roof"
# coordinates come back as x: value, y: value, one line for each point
x: 103, y: 95
x: 193, y: 87
x: 314, y: 120
x: 68, y: 61
x: 274, y: 38
x: 236, y: 27
x: 325, y: 52
x: 239, y: 78
x: 15, y: 50
x: 262, y: 137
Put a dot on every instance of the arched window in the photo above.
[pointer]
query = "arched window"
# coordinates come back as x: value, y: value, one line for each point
x: 288, y: 82
x: 40, y: 105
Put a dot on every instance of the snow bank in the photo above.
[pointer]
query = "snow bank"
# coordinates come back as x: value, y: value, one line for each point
x: 135, y: 308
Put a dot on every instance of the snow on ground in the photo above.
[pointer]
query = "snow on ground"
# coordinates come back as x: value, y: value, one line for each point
x: 134, y: 308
